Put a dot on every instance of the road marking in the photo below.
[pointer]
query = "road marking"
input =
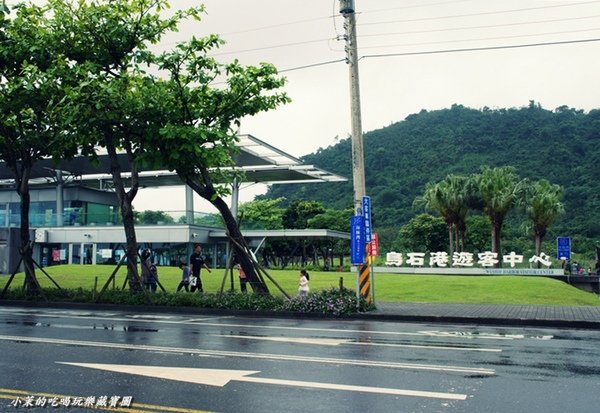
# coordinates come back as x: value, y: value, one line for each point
x: 202, y: 321
x: 12, y: 394
x: 294, y: 340
x: 427, y: 347
x: 220, y: 353
x: 495, y: 336
x: 220, y: 378
x: 337, y: 342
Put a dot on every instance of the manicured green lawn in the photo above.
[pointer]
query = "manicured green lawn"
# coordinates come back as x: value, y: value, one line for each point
x: 388, y: 287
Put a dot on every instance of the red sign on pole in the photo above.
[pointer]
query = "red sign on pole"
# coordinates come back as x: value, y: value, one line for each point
x: 374, y: 246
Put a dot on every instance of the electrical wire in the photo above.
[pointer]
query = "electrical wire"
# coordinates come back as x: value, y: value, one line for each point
x: 481, y: 39
x: 480, y: 27
x: 479, y: 14
x: 311, y: 65
x: 274, y: 46
x: 470, y: 49
x: 477, y: 49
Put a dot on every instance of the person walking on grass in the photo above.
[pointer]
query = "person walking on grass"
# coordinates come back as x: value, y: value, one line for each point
x: 197, y: 263
x: 185, y: 277
x: 303, y: 288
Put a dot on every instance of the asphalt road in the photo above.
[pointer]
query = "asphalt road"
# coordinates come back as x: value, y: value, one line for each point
x: 183, y: 363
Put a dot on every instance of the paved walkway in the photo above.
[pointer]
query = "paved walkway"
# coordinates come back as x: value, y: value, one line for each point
x: 534, y: 315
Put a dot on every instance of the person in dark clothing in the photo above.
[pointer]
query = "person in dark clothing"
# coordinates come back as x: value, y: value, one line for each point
x: 196, y: 263
x: 149, y: 271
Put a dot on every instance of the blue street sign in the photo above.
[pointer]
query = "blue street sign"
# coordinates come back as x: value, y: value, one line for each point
x: 357, y: 240
x: 563, y: 248
x: 366, y: 204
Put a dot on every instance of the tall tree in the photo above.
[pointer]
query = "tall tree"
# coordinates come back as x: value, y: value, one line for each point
x: 262, y: 214
x: 437, y: 197
x: 33, y: 77
x: 543, y: 205
x: 500, y: 189
x: 115, y: 106
x: 299, y: 212
x: 203, y: 101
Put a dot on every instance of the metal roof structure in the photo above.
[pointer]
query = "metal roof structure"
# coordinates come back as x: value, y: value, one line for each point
x: 259, y: 161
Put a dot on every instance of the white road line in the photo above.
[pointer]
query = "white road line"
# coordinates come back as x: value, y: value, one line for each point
x: 337, y: 342
x: 294, y: 340
x: 141, y: 320
x: 220, y: 378
x: 202, y: 321
x: 217, y: 353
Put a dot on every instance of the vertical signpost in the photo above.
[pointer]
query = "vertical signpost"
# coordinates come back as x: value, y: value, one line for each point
x: 357, y: 240
x: 563, y: 248
x: 366, y: 281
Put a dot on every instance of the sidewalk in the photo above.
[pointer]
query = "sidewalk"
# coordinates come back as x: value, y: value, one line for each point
x: 584, y: 317
x: 530, y: 315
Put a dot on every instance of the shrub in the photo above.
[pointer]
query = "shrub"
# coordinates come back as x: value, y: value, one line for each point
x: 332, y: 301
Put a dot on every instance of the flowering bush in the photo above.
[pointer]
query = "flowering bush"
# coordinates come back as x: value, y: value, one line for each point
x: 333, y: 301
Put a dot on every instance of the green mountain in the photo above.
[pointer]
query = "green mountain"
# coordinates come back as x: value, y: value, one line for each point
x: 562, y: 146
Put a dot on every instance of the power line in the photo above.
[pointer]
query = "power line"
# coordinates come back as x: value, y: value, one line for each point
x: 479, y: 14
x: 274, y: 46
x: 441, y: 3
x: 477, y: 49
x: 481, y: 39
x: 480, y: 27
x: 334, y: 15
x: 311, y: 65
x: 470, y: 49
x: 427, y: 31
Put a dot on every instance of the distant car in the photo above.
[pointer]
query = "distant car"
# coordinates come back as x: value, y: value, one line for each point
x: 393, y: 259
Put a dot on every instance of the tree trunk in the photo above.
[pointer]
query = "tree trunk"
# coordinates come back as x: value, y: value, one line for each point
x: 240, y: 248
x: 540, y: 233
x: 496, y: 247
x: 451, y: 236
x: 31, y: 283
x: 126, y: 208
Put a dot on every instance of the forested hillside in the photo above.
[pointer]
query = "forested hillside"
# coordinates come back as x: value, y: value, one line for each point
x: 562, y: 146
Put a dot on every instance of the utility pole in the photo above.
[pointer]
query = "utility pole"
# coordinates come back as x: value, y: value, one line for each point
x: 363, y: 283
x: 358, y: 159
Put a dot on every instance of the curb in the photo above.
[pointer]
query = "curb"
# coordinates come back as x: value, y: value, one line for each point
x: 371, y: 316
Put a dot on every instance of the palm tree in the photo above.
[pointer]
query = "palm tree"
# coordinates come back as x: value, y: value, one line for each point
x: 500, y: 189
x: 543, y: 206
x: 462, y: 196
x: 437, y: 197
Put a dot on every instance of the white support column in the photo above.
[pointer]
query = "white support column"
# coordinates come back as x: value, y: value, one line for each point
x: 189, y: 205
x: 235, y: 197
x: 60, y: 210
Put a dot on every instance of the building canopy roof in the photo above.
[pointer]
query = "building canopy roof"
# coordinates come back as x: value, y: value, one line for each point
x: 259, y: 161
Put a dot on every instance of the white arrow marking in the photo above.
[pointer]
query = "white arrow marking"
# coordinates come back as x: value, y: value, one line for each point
x: 220, y: 353
x: 215, y: 377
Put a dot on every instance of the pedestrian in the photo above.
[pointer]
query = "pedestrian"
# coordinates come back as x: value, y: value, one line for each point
x: 303, y: 284
x: 197, y: 263
x: 185, y: 277
x: 243, y: 279
x: 149, y: 271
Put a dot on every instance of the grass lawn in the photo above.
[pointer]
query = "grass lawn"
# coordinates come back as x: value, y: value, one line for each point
x: 388, y: 287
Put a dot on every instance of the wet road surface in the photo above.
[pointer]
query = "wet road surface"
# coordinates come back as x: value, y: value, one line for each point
x: 182, y: 363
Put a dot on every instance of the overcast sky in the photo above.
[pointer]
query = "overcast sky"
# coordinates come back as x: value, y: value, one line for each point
x: 292, y: 34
